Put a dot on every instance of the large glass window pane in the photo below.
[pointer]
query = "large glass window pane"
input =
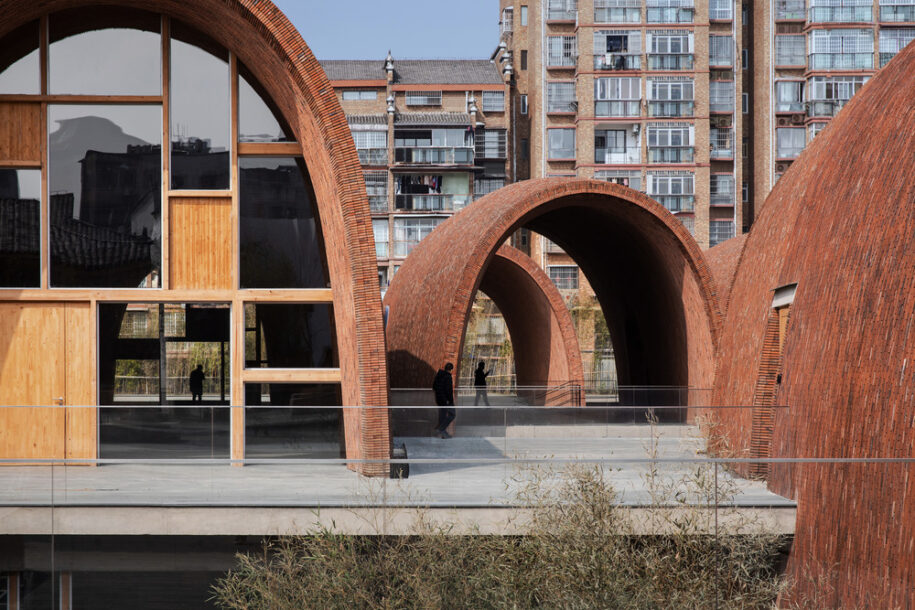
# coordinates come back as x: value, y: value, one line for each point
x: 20, y: 228
x: 282, y: 335
x: 158, y: 354
x: 280, y: 232
x: 258, y: 119
x: 105, y: 183
x: 19, y: 69
x: 199, y: 112
x: 297, y: 429
x: 110, y: 51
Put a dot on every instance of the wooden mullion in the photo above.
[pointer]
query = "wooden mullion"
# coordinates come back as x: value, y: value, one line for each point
x: 269, y: 149
x: 81, y: 99
x: 45, y: 215
x: 148, y: 295
x: 199, y: 193
x: 237, y: 424
x: 164, y: 280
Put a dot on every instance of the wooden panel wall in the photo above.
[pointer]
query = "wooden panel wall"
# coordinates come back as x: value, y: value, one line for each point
x: 200, y: 245
x: 80, y: 354
x: 32, y: 366
x: 22, y: 143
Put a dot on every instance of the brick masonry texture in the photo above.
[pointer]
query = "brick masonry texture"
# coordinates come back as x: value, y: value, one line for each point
x: 841, y: 224
x: 722, y: 260
x: 648, y: 273
x: 266, y: 42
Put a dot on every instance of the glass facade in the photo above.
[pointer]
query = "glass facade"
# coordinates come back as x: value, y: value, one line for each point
x: 20, y: 228
x: 293, y: 420
x: 19, y: 64
x: 282, y: 335
x: 258, y: 121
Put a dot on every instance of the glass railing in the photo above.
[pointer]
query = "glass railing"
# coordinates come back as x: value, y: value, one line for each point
x: 378, y: 203
x: 554, y: 14
x: 788, y: 152
x: 373, y: 156
x: 670, y: 155
x: 840, y: 14
x: 608, y: 157
x: 617, y: 108
x: 840, y: 61
x: 793, y: 106
x: 431, y: 202
x: 898, y: 13
x: 625, y: 12
x: 670, y: 109
x: 825, y: 107
x: 450, y: 155
x: 618, y: 61
x: 166, y: 530
x: 670, y: 62
x: 790, y: 10
x: 676, y: 203
x: 722, y: 199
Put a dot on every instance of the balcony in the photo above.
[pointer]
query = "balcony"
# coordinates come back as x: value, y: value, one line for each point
x: 841, y: 14
x: 790, y: 10
x: 824, y: 108
x: 840, y: 61
x: 789, y: 106
x: 373, y: 156
x: 670, y: 155
x: 899, y: 13
x: 630, y: 156
x: 435, y: 155
x: 676, y: 203
x: 670, y: 109
x: 670, y: 62
x: 723, y: 195
x: 378, y: 203
x: 722, y: 143
x: 617, y: 108
x: 561, y: 14
x: 618, y: 61
x: 617, y: 11
x: 788, y: 152
x: 432, y: 202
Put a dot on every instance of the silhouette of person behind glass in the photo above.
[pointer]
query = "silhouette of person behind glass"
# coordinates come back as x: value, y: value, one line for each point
x: 195, y: 381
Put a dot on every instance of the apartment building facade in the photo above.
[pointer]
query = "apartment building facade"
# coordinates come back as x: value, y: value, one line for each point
x: 809, y: 58
x: 432, y: 137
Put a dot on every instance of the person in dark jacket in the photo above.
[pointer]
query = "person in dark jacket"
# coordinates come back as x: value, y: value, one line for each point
x: 479, y: 381
x: 443, y: 387
x: 195, y: 381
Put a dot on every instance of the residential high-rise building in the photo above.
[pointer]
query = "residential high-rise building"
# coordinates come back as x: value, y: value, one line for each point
x: 809, y: 59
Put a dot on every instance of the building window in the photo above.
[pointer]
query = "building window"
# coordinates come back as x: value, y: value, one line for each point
x: 670, y: 97
x: 561, y: 97
x: 670, y: 143
x: 523, y: 15
x: 745, y: 192
x: 789, y: 50
x: 841, y: 49
x: 721, y: 50
x: 721, y: 96
x: 630, y: 178
x: 721, y: 141
x: 424, y: 98
x: 670, y: 11
x: 507, y: 19
x: 745, y: 59
x: 672, y: 50
x: 371, y: 145
x: 562, y: 51
x: 376, y: 187
x: 380, y: 229
x: 359, y: 94
x: 490, y: 143
x: 493, y: 101
x: 789, y: 142
x: 485, y: 185
x: 564, y: 277
x: 674, y: 190
x: 616, y: 146
x: 524, y: 59
x: 523, y: 103
x: 561, y: 143
x: 745, y: 147
x: 789, y: 96
x: 720, y: 10
x: 617, y: 11
x: 719, y: 231
x: 828, y: 94
x: 838, y: 11
x: 617, y: 50
x: 745, y: 102
x: 789, y: 10
x: 617, y: 96
x: 893, y: 41
x: 408, y: 232
x: 721, y: 189
x: 20, y: 209
x: 897, y: 10
x: 561, y: 10
x: 815, y: 128
x: 525, y: 149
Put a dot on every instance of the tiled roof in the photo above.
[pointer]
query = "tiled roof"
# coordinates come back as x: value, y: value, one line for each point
x: 432, y: 118
x: 367, y: 119
x: 417, y: 71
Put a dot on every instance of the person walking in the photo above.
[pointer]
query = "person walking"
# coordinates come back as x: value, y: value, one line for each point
x: 443, y: 387
x: 195, y: 381
x: 479, y: 381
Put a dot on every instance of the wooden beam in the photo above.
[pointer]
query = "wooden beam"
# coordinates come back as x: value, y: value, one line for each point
x: 198, y: 193
x: 22, y: 164
x: 291, y: 376
x: 269, y: 149
x: 84, y: 99
x: 146, y: 295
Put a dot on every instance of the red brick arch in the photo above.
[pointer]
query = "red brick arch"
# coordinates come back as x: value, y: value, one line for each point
x: 539, y: 325
x: 648, y: 273
x: 263, y: 39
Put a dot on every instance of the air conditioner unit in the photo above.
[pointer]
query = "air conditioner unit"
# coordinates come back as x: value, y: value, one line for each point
x: 783, y: 121
x: 781, y: 168
x: 797, y: 119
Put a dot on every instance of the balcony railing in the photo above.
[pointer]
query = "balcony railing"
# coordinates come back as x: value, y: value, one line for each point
x: 670, y: 62
x: 431, y: 202
x: 720, y: 231
x: 623, y: 11
x: 791, y: 106
x: 790, y: 10
x: 722, y: 144
x: 447, y: 155
x: 670, y: 109
x: 373, y: 156
x: 607, y: 157
x: 561, y: 61
x: 621, y: 108
x: 722, y: 103
x: 840, y: 14
x: 670, y: 155
x: 676, y: 203
x: 618, y: 61
x: 840, y: 61
x: 561, y: 14
x: 788, y: 152
x: 378, y: 203
x: 898, y: 13
x: 825, y: 107
x: 722, y: 198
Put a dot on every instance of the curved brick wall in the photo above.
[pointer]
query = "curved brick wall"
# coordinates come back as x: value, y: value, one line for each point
x: 270, y: 46
x: 841, y: 224
x: 541, y: 329
x: 722, y: 260
x: 648, y: 273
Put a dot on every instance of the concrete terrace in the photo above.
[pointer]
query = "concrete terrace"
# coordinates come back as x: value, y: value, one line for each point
x: 472, y: 480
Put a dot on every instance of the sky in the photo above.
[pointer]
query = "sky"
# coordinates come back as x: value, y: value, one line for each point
x: 411, y: 29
